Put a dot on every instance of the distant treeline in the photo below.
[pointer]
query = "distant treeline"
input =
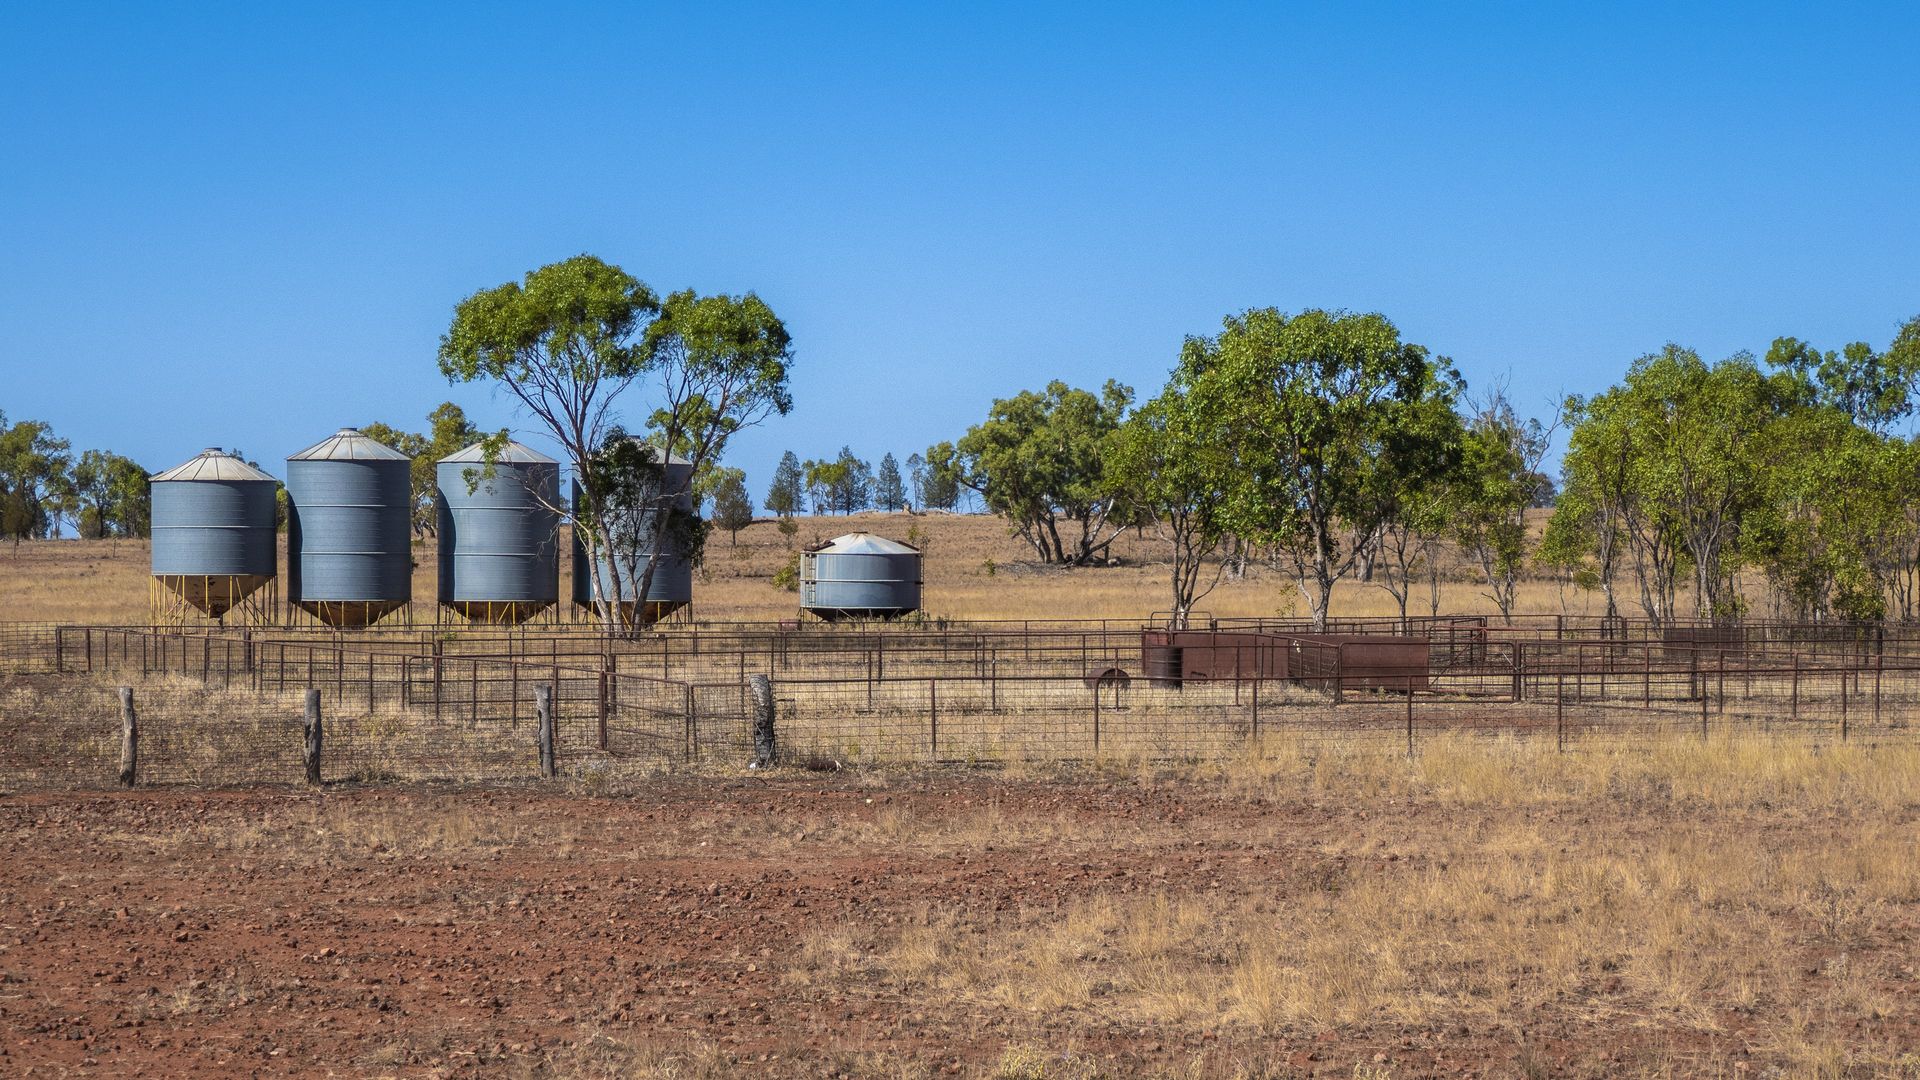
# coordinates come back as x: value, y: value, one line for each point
x: 1325, y: 446
x: 45, y: 488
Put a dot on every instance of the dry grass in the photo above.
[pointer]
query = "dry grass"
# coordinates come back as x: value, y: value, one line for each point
x: 1737, y: 887
x: 974, y: 570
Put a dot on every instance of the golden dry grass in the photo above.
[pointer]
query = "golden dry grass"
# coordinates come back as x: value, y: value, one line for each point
x: 974, y: 570
x: 1737, y: 888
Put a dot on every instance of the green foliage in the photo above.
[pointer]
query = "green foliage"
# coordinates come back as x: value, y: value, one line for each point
x: 448, y: 432
x: 1489, y: 493
x: 1170, y: 462
x: 1673, y: 462
x: 841, y: 486
x: 570, y: 337
x: 1040, y: 461
x: 889, y: 488
x: 111, y: 492
x: 34, y: 480
x: 935, y: 484
x: 787, y: 578
x: 1326, y: 415
x: 788, y: 488
x: 732, y: 507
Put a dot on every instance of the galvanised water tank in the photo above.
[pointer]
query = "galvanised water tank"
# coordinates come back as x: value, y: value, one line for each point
x: 860, y: 576
x: 213, y: 530
x: 349, y: 527
x: 672, y: 585
x: 499, y: 533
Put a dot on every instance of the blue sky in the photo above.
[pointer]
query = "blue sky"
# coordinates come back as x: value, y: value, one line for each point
x: 247, y: 225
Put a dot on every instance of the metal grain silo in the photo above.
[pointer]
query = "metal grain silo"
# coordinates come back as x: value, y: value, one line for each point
x: 499, y: 534
x: 349, y: 527
x: 860, y: 576
x: 213, y: 536
x: 672, y: 585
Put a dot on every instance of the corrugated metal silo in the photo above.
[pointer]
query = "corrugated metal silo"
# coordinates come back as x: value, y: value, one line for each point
x: 213, y: 533
x: 349, y: 527
x: 672, y: 585
x: 499, y: 534
x: 860, y: 576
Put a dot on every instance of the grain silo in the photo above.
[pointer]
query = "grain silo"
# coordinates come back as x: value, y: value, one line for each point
x: 213, y: 539
x: 619, y: 576
x: 499, y: 533
x: 349, y: 527
x: 860, y: 576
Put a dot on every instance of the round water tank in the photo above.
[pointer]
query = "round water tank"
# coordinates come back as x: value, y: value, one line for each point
x: 618, y: 575
x: 499, y: 533
x: 349, y: 527
x: 860, y: 576
x: 213, y: 530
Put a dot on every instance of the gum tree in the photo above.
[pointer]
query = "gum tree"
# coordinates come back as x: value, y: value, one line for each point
x: 1322, y: 412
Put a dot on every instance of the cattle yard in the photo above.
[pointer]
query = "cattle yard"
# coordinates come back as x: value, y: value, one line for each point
x: 442, y: 702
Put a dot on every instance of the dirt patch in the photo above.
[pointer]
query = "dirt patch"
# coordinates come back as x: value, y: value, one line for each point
x: 712, y: 927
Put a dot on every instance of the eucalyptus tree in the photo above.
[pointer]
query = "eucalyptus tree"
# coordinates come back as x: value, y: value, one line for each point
x: 1324, y: 413
x: 34, y: 479
x: 1040, y: 461
x: 1494, y: 486
x: 1169, y: 458
x: 448, y: 432
x: 570, y: 338
x: 112, y: 495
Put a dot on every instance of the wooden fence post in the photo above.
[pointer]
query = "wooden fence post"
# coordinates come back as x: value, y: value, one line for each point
x: 543, y: 712
x: 129, y: 739
x: 310, y: 751
x: 603, y: 710
x: 933, y: 719
x: 761, y: 687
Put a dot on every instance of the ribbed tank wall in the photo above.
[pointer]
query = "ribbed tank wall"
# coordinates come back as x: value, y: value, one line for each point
x: 213, y: 528
x: 349, y: 533
x: 672, y: 583
x: 499, y: 541
x: 876, y: 583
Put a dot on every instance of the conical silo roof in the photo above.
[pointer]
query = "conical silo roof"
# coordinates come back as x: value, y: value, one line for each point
x: 513, y: 453
x: 212, y: 464
x: 348, y: 444
x: 861, y: 543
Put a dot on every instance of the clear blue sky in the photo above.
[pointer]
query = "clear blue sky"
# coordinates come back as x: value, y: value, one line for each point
x: 248, y: 225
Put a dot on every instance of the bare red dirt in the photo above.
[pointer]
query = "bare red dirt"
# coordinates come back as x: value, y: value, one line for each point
x: 428, y: 932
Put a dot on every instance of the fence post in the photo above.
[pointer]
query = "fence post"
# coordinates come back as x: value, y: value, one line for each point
x: 1256, y: 708
x: 1879, y: 660
x: 933, y: 718
x: 1843, y: 705
x: 1703, y: 715
x: 1096, y: 716
x: 693, y: 724
x: 1794, y: 708
x: 543, y: 710
x: 129, y: 739
x: 60, y: 650
x: 1560, y: 711
x: 1410, y: 712
x: 310, y: 750
x: 761, y: 688
x: 603, y: 710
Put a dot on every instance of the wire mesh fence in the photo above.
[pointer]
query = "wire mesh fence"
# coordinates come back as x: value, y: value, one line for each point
x: 225, y: 706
